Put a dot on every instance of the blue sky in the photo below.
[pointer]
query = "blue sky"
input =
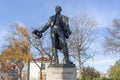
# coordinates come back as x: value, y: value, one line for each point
x: 35, y: 12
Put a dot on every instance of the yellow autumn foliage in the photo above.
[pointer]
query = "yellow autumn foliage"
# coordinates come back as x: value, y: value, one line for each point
x: 27, y: 58
x: 21, y: 30
x: 19, y: 47
x: 16, y: 54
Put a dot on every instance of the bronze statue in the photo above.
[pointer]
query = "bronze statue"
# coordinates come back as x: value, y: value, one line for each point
x: 60, y: 31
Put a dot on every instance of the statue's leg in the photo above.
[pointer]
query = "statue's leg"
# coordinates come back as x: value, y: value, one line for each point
x: 54, y: 56
x: 54, y: 49
x: 65, y: 48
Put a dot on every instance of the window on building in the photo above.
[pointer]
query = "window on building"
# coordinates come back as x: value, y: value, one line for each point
x: 43, y: 66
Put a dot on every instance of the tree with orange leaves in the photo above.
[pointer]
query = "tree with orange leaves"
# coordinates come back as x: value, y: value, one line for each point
x: 17, y: 51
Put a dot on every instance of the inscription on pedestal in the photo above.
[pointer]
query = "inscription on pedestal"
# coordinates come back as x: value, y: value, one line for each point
x: 61, y: 72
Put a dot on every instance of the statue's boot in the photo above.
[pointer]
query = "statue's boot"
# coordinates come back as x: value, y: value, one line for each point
x: 55, y: 61
x: 55, y: 56
x: 68, y: 61
x: 66, y: 57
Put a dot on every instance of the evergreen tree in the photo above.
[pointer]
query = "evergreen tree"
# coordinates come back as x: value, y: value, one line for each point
x: 114, y: 72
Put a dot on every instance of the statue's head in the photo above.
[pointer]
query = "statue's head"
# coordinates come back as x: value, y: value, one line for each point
x: 58, y: 9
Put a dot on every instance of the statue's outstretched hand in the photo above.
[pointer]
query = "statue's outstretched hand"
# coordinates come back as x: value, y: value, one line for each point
x: 37, y: 34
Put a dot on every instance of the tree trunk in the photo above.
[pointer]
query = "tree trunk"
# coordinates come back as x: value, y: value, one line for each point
x: 28, y: 71
x: 80, y: 67
x: 79, y: 61
x: 20, y: 74
x: 41, y: 77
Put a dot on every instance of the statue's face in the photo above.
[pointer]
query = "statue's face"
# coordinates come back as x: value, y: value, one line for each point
x: 58, y: 9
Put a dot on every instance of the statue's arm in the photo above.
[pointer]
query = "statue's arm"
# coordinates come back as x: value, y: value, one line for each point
x: 46, y: 26
x: 69, y: 32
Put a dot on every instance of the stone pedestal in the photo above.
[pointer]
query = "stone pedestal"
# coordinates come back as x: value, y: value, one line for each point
x: 61, y: 72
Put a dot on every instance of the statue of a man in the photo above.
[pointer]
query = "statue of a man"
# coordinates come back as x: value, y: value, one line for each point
x: 59, y: 33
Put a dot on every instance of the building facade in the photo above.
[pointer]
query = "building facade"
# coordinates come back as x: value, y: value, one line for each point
x: 38, y: 68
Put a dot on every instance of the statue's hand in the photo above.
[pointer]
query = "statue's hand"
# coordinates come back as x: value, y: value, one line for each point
x: 37, y: 34
x: 68, y: 34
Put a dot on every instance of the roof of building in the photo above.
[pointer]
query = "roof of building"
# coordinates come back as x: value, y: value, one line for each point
x: 42, y: 59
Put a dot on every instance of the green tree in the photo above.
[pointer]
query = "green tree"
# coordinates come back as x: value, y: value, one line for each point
x: 114, y: 72
x: 89, y: 73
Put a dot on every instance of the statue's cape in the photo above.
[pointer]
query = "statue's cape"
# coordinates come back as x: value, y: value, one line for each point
x: 65, y: 26
x: 65, y: 20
